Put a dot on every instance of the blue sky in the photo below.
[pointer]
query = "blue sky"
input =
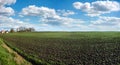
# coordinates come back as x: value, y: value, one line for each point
x: 61, y: 15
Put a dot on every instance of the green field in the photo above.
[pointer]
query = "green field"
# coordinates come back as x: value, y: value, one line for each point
x: 9, y: 57
x: 67, y: 48
x: 5, y: 57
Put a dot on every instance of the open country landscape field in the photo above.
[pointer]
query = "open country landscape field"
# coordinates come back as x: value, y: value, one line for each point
x: 67, y: 48
x: 10, y: 57
x: 59, y: 32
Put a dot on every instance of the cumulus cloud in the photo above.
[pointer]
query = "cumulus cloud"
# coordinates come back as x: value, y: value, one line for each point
x: 50, y: 18
x: 33, y: 10
x: 64, y: 21
x: 48, y: 15
x: 6, y: 11
x: 9, y: 22
x: 102, y: 23
x: 65, y: 12
x: 98, y: 7
x: 7, y: 2
x: 107, y: 21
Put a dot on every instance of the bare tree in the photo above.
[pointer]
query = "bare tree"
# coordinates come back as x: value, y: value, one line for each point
x: 12, y: 30
x: 24, y: 29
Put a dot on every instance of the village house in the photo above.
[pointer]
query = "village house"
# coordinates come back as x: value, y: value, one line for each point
x: 3, y: 31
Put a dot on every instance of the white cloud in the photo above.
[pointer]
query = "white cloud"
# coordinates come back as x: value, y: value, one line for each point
x: 50, y: 19
x: 78, y: 5
x: 7, y: 2
x: 105, y: 24
x: 48, y: 15
x: 9, y: 22
x: 107, y: 21
x: 101, y: 24
x: 61, y: 21
x: 98, y: 7
x: 6, y: 11
x: 65, y: 12
x: 33, y: 10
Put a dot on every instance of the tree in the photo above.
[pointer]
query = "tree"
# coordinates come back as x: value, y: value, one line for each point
x: 24, y: 29
x: 31, y: 29
x: 21, y: 29
x: 12, y: 30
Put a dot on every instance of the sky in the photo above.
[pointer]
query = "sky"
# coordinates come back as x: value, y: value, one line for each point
x: 61, y: 15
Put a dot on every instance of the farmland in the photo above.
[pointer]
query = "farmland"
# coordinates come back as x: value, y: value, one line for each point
x: 67, y: 48
x: 9, y: 57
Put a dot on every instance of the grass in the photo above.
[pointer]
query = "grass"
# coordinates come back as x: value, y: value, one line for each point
x: 67, y: 48
x: 10, y: 57
x: 5, y: 57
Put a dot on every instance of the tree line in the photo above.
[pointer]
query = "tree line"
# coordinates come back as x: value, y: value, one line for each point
x: 22, y: 29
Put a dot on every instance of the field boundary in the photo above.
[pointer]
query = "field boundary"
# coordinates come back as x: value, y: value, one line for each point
x: 19, y: 60
x: 29, y: 58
